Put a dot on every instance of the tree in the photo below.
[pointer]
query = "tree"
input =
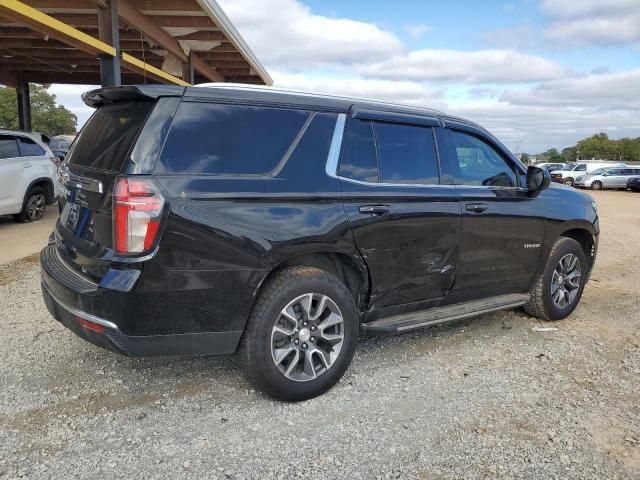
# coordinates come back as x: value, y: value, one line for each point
x: 524, y: 158
x: 46, y: 116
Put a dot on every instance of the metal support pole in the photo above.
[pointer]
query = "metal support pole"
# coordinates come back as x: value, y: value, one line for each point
x: 109, y: 32
x: 24, y: 105
x: 187, y: 70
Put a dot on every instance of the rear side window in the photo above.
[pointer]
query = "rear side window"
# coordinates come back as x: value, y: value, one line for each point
x: 406, y: 153
x: 108, y: 135
x: 358, y: 160
x: 208, y: 138
x: 8, y: 147
x: 475, y: 162
x: 29, y: 148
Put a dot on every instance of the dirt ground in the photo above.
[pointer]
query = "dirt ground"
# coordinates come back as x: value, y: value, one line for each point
x: 18, y: 240
x: 481, y: 398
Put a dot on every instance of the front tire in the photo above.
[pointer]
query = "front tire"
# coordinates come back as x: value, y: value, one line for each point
x: 557, y: 291
x: 597, y: 185
x: 301, y: 335
x: 34, y: 208
x: 568, y: 182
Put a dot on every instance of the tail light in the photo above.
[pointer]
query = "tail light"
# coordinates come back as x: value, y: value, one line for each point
x: 137, y: 212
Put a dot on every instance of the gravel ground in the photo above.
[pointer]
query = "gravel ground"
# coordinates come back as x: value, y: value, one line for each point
x: 484, y: 398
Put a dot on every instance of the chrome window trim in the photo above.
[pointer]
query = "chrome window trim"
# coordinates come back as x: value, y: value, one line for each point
x: 336, y: 145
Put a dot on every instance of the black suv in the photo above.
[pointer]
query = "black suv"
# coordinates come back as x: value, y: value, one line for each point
x: 206, y: 220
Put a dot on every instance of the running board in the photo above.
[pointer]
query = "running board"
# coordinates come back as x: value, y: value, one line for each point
x: 424, y: 318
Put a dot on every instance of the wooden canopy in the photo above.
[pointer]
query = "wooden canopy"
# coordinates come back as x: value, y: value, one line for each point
x: 106, y: 42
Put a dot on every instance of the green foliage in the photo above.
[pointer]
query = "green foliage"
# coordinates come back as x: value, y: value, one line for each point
x: 599, y: 146
x: 46, y: 116
x: 524, y: 158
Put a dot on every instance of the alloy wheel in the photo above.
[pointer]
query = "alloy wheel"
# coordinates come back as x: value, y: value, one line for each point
x: 35, y: 207
x: 307, y: 337
x: 565, y: 282
x: 596, y: 185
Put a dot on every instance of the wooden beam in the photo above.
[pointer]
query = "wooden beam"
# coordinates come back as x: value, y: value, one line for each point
x: 75, y: 4
x: 24, y: 14
x: 132, y: 17
x: 136, y: 65
x: 205, y: 69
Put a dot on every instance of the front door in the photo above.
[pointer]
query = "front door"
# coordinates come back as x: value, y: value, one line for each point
x: 501, y: 235
x: 405, y: 223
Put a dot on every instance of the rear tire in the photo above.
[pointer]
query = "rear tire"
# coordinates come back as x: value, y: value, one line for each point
x: 34, y: 207
x: 597, y: 185
x: 301, y: 335
x: 557, y: 291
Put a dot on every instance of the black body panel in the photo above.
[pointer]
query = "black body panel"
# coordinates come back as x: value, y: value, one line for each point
x: 223, y: 235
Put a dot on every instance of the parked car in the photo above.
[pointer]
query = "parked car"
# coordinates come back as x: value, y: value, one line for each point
x: 607, y: 178
x: 27, y: 175
x: 571, y: 171
x: 204, y: 220
x: 633, y: 184
x: 60, y: 145
x: 549, y: 167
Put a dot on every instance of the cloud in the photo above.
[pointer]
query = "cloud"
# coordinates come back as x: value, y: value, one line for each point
x: 294, y: 37
x: 584, y: 8
x: 479, y: 66
x: 416, y: 31
x: 605, y: 91
x: 406, y: 92
x: 593, y: 22
x: 518, y: 37
x: 69, y: 96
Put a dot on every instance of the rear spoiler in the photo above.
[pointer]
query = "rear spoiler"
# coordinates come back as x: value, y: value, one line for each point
x: 102, y: 96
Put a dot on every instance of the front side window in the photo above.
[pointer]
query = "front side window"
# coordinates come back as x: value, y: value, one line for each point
x: 476, y: 162
x: 220, y: 139
x: 29, y: 148
x: 614, y: 171
x: 581, y: 168
x: 8, y: 147
x: 358, y: 160
x: 406, y: 154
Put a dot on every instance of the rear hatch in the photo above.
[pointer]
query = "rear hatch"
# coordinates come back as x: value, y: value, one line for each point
x: 84, y: 232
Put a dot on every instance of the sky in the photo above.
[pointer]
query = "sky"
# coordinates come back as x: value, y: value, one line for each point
x: 536, y: 73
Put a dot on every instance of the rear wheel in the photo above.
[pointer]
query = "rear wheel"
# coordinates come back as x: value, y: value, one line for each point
x: 301, y: 335
x: 34, y: 206
x: 558, y: 289
x: 596, y: 185
x: 568, y: 181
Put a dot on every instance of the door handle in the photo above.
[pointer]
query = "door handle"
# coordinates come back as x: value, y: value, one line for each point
x: 476, y: 207
x: 375, y: 209
x: 26, y: 165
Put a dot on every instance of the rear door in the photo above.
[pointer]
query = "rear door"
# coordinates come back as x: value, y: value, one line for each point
x: 84, y: 230
x: 406, y: 224
x: 36, y: 158
x: 501, y: 235
x: 12, y: 175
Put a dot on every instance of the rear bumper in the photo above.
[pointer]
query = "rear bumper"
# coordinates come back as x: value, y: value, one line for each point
x: 80, y: 308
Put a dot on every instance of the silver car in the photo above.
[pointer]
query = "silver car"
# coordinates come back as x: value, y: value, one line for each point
x: 604, y: 178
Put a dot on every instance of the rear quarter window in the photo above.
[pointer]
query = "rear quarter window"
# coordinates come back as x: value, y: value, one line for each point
x: 220, y: 139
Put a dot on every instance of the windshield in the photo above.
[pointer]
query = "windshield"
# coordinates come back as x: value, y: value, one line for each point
x: 569, y: 166
x: 598, y: 171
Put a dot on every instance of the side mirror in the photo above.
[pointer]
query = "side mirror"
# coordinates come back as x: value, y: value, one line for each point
x: 537, y: 179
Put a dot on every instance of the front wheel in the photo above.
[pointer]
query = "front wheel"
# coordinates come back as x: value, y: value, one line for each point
x: 568, y: 182
x: 301, y: 335
x: 558, y: 289
x: 597, y: 185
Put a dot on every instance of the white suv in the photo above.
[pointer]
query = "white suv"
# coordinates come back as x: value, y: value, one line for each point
x: 28, y: 180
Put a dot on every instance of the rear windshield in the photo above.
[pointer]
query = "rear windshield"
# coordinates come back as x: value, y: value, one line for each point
x: 108, y: 135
